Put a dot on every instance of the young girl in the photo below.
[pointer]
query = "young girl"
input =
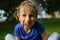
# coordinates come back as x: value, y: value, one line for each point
x: 28, y: 27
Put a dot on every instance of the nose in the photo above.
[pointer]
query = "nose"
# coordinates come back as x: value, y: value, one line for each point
x: 27, y: 18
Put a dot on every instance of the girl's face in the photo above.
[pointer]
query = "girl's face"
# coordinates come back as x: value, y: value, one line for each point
x: 27, y: 16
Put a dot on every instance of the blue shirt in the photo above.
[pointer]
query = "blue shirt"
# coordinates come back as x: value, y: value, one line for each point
x: 34, y: 34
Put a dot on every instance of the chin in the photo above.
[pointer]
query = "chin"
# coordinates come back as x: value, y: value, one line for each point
x: 28, y: 26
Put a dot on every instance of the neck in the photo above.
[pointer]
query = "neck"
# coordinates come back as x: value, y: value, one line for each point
x: 27, y: 30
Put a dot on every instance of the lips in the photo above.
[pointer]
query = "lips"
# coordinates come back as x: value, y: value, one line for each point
x: 27, y: 24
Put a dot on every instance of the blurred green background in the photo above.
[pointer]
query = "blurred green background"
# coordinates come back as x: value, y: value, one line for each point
x: 51, y: 25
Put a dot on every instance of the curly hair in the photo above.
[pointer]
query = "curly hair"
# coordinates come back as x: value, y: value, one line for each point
x: 25, y: 4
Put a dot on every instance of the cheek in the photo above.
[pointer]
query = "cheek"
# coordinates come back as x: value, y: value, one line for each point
x: 21, y: 19
x: 33, y: 19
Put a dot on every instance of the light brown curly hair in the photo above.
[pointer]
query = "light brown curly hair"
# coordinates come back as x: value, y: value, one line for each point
x: 25, y: 4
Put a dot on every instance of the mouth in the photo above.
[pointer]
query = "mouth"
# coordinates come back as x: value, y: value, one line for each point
x: 27, y: 24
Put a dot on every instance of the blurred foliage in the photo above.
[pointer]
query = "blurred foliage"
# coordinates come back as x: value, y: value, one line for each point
x: 9, y: 5
x: 53, y: 5
x: 50, y: 5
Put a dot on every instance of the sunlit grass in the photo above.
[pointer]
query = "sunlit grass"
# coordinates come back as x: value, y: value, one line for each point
x: 51, y: 25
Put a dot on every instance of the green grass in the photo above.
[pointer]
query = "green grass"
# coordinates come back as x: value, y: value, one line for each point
x: 51, y: 25
x: 5, y: 28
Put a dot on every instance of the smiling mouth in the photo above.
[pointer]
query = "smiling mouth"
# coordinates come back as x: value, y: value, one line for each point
x: 27, y: 24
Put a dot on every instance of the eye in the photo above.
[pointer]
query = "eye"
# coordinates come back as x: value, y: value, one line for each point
x: 31, y: 15
x: 24, y: 15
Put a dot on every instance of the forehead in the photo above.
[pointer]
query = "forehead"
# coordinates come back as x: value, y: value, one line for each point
x: 27, y: 9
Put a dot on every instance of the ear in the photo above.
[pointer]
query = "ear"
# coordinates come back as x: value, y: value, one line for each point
x: 17, y: 17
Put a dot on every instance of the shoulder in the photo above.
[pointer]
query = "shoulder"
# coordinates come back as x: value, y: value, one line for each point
x: 17, y: 29
x: 18, y: 26
x: 39, y: 26
x: 39, y: 23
